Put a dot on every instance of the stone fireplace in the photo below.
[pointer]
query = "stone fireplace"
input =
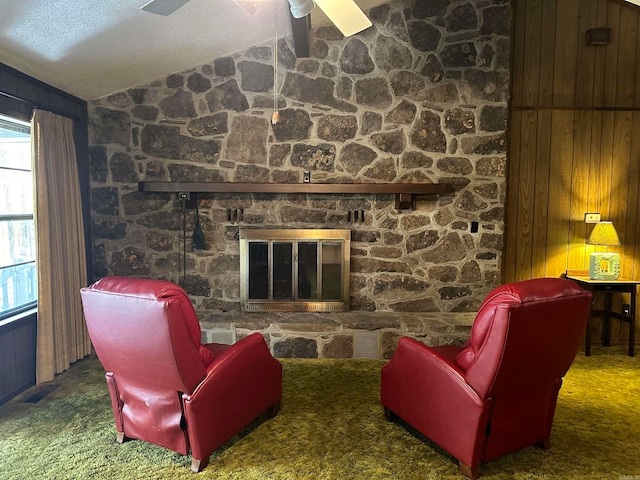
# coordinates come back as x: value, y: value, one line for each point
x: 420, y: 97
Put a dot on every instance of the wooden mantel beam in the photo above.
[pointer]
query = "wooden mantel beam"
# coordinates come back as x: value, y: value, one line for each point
x: 404, y: 192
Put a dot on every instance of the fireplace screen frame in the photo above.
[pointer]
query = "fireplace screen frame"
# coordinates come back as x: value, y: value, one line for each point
x: 247, y: 236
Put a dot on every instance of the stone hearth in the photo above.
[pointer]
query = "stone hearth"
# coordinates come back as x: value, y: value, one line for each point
x: 354, y: 334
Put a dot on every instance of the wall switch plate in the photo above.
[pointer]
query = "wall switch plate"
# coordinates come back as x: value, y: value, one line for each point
x: 306, y: 176
x: 592, y: 217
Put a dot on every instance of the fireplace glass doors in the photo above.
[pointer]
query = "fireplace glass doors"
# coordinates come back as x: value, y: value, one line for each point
x: 294, y: 270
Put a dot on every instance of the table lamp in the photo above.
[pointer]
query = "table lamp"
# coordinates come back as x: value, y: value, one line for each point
x: 604, y: 265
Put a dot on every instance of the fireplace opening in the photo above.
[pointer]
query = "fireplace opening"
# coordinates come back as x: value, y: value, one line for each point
x: 294, y: 270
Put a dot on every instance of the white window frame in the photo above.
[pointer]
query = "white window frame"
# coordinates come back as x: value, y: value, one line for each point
x: 18, y: 281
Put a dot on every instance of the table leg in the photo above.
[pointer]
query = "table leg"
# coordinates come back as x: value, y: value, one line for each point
x: 606, y: 324
x: 632, y: 321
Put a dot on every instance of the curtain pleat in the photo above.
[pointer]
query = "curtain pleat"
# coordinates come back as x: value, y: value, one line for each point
x: 62, y: 336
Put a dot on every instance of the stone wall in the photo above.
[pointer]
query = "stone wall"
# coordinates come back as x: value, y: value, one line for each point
x: 354, y: 334
x: 419, y: 97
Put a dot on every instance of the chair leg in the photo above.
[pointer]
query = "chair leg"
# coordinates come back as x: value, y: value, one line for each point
x: 468, y: 471
x: 544, y: 444
x: 389, y: 415
x: 274, y: 409
x: 199, y: 465
x: 120, y: 437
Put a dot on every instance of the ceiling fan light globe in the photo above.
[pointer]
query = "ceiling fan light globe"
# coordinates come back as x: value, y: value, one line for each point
x: 301, y: 8
x: 163, y: 7
x: 247, y: 5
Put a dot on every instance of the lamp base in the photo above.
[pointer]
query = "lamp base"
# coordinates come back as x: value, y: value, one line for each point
x: 604, y: 266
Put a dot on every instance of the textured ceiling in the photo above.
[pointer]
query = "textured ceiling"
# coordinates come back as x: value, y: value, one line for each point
x: 94, y: 48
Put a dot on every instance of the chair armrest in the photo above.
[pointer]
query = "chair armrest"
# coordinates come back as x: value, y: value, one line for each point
x: 241, y: 383
x: 421, y: 367
x: 429, y: 392
x: 236, y: 364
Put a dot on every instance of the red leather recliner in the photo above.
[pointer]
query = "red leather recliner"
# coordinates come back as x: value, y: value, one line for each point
x: 497, y: 393
x: 166, y: 388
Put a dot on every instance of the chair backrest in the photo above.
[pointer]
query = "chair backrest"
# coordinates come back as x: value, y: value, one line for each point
x: 146, y: 331
x: 526, y: 334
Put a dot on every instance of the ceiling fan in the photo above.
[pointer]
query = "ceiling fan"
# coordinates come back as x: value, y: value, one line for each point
x: 344, y: 14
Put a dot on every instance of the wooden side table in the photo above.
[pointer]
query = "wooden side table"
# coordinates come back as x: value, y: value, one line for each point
x: 607, y: 288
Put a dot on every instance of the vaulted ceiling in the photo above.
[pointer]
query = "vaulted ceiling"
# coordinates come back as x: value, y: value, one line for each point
x: 91, y: 49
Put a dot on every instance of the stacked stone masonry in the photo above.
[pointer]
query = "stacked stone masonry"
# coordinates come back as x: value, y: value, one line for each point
x: 334, y: 335
x: 421, y: 96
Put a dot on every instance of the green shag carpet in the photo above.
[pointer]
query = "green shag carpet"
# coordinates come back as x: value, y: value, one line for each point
x: 331, y: 427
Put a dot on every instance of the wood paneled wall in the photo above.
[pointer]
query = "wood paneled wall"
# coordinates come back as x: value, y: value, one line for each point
x: 574, y: 138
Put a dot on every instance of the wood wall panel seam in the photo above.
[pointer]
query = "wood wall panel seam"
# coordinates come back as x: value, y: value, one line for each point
x: 541, y: 200
x: 611, y: 61
x: 620, y: 177
x: 526, y: 196
x: 636, y: 99
x: 566, y: 52
x: 532, y: 53
x: 626, y: 55
x: 579, y: 189
x: 547, y: 62
x: 511, y: 204
x: 585, y: 65
x: 517, y: 52
x: 631, y: 211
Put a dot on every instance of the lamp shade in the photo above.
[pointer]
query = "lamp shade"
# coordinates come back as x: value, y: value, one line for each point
x: 604, y: 233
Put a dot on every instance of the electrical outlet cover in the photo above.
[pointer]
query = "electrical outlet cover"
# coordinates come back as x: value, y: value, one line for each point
x: 592, y: 217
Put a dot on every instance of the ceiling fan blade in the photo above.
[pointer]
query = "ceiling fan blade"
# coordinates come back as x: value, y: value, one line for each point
x: 163, y: 7
x: 248, y: 5
x: 345, y: 15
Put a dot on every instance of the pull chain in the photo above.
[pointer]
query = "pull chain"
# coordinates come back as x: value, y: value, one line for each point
x: 275, y: 117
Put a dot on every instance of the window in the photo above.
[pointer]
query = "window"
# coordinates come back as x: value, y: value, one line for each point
x: 18, y: 285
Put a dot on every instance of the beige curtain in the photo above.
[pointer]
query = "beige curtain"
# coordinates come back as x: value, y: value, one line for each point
x: 61, y: 262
